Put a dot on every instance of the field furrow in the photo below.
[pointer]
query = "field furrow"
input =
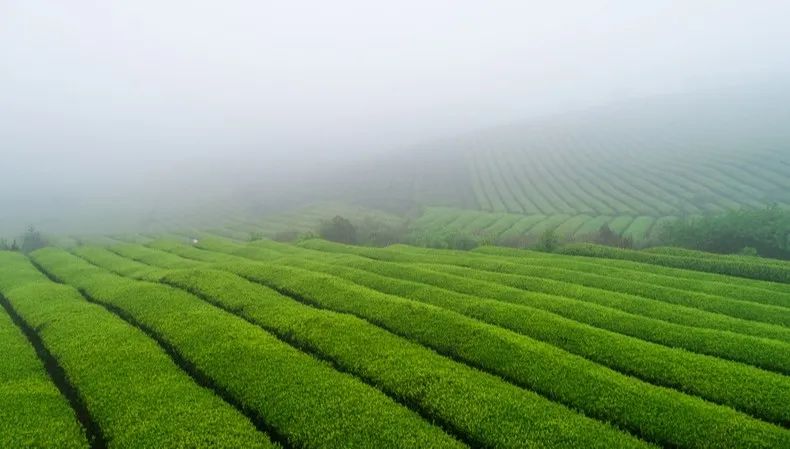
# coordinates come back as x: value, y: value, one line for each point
x: 720, y: 286
x: 626, y: 302
x: 135, y: 394
x: 712, y: 263
x: 524, y: 361
x: 726, y: 382
x: 300, y: 398
x: 33, y: 412
x: 417, y: 321
x: 483, y: 408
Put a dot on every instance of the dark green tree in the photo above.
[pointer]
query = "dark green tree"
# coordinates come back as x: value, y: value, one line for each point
x: 339, y: 230
x: 548, y: 241
x: 32, y: 240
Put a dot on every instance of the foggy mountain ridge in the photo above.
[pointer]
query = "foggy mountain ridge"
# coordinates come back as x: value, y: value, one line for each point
x: 430, y: 173
x: 724, y: 121
x: 121, y: 115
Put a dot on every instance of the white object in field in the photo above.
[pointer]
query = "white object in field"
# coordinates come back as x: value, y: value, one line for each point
x: 194, y: 241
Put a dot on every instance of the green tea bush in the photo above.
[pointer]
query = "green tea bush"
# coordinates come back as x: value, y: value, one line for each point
x: 660, y: 415
x: 754, y: 391
x: 132, y: 389
x: 487, y: 411
x: 312, y: 406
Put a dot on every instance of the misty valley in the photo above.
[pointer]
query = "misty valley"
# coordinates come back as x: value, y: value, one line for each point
x: 349, y: 225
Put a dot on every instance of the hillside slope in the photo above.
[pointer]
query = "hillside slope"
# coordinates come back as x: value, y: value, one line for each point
x: 401, y: 347
x: 663, y: 156
x: 632, y: 166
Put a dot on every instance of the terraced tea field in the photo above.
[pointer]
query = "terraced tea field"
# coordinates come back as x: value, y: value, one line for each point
x: 572, y: 179
x: 161, y: 342
x: 568, y: 177
x: 502, y: 227
x: 556, y: 182
x: 632, y: 167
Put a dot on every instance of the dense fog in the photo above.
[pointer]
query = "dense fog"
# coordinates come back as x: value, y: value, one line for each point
x: 115, y: 112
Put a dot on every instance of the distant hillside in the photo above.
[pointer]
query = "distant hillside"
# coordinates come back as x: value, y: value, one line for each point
x: 674, y: 155
x: 632, y: 166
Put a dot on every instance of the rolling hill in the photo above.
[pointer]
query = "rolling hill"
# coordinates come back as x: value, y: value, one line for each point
x: 632, y: 166
x: 224, y: 344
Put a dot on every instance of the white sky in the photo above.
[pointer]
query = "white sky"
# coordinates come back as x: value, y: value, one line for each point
x: 113, y: 91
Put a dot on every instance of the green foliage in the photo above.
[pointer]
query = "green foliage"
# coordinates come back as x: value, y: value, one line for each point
x: 628, y: 314
x: 651, y: 411
x: 443, y: 238
x: 338, y: 229
x: 32, y: 411
x: 704, y: 301
x: 572, y: 180
x: 305, y: 400
x: 763, y: 312
x: 385, y: 347
x: 745, y: 388
x: 288, y: 235
x: 716, y: 285
x: 309, y: 235
x: 742, y: 266
x: 373, y: 232
x: 32, y: 240
x: 368, y: 230
x: 438, y: 225
x: 131, y: 387
x: 5, y: 246
x: 765, y: 231
x: 116, y: 264
x: 490, y: 412
x: 549, y: 241
x: 608, y: 237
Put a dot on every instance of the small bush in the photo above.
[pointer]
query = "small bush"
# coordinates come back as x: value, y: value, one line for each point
x: 548, y: 241
x: 443, y: 239
x: 767, y: 231
x: 5, y: 246
x: 290, y: 235
x: 339, y: 230
x: 373, y: 232
x: 608, y: 237
x: 516, y: 241
x: 309, y: 235
x: 32, y: 240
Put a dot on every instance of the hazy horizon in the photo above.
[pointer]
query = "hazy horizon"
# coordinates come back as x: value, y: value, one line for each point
x: 118, y: 101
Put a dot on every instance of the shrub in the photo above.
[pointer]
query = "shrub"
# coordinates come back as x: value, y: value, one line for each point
x: 5, y: 246
x: 766, y: 231
x: 374, y: 232
x: 125, y: 379
x: 746, y: 388
x: 32, y: 411
x: 491, y: 411
x: 742, y: 266
x: 32, y: 240
x: 314, y: 405
x: 516, y: 241
x: 290, y: 235
x: 608, y: 237
x: 630, y: 404
x: 443, y: 239
x: 338, y: 229
x: 549, y: 241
